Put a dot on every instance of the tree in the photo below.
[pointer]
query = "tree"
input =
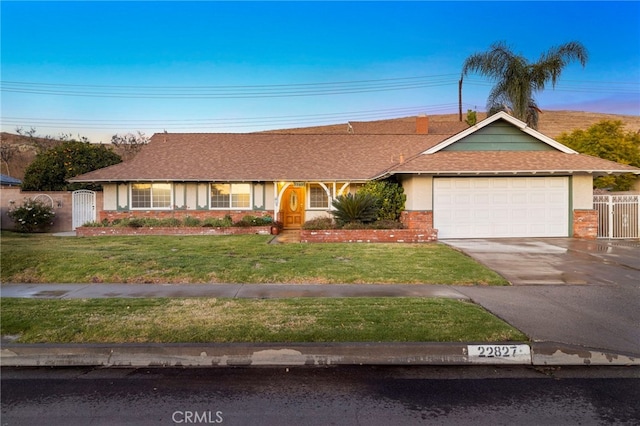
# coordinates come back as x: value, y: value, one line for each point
x: 7, y: 152
x: 40, y: 143
x: 472, y: 118
x: 607, y: 139
x: 517, y: 80
x: 129, y: 144
x: 50, y: 170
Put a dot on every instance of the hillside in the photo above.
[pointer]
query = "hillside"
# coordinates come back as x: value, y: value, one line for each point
x: 552, y: 124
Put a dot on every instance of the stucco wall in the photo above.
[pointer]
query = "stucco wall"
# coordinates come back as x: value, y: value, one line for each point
x: 419, y: 192
x: 582, y: 188
x: 62, y: 206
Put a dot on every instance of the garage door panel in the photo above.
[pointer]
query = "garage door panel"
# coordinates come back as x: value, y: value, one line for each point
x: 501, y: 207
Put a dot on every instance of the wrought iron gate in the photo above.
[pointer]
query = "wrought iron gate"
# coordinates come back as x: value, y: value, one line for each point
x: 618, y: 215
x: 84, y: 207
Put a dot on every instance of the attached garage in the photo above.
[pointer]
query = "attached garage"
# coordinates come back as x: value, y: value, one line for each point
x: 500, y: 207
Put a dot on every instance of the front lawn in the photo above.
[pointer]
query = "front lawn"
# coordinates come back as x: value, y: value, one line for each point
x: 210, y: 320
x: 42, y: 258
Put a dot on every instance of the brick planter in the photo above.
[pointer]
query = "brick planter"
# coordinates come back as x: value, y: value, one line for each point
x: 369, y: 236
x: 199, y: 230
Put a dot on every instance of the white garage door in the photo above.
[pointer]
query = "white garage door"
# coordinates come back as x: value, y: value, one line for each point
x: 501, y: 207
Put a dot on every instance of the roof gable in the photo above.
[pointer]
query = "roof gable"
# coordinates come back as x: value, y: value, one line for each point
x: 499, y: 132
x: 499, y: 136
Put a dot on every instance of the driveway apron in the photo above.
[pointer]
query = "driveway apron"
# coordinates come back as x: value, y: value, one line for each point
x: 581, y: 292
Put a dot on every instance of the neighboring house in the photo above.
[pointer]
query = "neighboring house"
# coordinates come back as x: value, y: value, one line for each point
x: 8, y: 181
x: 498, y: 178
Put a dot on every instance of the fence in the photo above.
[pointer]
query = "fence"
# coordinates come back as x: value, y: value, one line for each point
x: 618, y: 215
x: 61, y: 201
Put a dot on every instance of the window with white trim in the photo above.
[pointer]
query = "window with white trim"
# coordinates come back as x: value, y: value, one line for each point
x: 151, y: 196
x: 230, y: 195
x: 318, y: 198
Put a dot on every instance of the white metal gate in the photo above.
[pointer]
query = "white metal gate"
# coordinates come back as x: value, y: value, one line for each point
x: 618, y: 215
x: 84, y: 207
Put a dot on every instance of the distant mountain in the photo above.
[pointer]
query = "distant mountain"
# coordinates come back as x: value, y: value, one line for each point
x: 552, y: 124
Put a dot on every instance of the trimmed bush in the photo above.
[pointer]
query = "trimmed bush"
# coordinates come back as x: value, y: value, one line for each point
x: 390, y: 196
x: 191, y: 221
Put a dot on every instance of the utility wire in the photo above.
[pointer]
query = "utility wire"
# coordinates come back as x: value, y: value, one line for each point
x: 233, y: 122
x: 227, y: 92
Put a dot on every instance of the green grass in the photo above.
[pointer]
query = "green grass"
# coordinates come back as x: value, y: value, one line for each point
x: 201, y: 320
x: 41, y: 258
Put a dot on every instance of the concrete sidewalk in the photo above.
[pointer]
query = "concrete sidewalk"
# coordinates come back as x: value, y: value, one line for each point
x: 290, y: 354
x: 253, y: 291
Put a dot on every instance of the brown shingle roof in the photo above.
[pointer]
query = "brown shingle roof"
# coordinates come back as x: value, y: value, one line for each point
x: 472, y: 162
x: 264, y: 157
x: 327, y: 156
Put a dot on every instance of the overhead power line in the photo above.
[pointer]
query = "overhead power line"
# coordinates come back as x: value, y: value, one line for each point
x: 283, y: 121
x: 618, y: 87
x: 228, y: 92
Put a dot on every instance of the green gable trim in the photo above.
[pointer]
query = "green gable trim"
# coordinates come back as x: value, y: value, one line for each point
x: 499, y: 136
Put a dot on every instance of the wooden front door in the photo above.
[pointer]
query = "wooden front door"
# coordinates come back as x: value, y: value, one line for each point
x: 292, y: 207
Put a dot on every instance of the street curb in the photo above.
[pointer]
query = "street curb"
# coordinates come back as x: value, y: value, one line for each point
x: 302, y: 354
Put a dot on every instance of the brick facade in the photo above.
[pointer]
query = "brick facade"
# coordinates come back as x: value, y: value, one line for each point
x: 585, y: 224
x: 369, y: 236
x: 417, y: 219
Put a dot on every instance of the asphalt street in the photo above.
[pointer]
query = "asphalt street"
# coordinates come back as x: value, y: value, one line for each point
x: 348, y: 395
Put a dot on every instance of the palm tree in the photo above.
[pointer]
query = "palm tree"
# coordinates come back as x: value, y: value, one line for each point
x: 517, y: 80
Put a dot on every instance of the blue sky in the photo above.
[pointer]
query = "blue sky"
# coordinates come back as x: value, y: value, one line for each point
x: 100, y: 68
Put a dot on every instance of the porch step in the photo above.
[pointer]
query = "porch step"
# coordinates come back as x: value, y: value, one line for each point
x: 287, y: 236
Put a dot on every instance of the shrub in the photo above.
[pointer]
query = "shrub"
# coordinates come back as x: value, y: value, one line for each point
x: 169, y: 222
x: 254, y: 221
x: 191, y: 221
x: 94, y: 224
x: 135, y: 222
x: 355, y: 225
x: 390, y: 195
x: 319, y: 223
x: 386, y: 224
x: 32, y: 216
x: 215, y: 222
x: 361, y: 207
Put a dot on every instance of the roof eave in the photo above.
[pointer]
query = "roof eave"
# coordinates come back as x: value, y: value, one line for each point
x: 508, y: 172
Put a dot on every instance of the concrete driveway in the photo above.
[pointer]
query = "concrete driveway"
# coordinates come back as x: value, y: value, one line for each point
x: 581, y: 292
